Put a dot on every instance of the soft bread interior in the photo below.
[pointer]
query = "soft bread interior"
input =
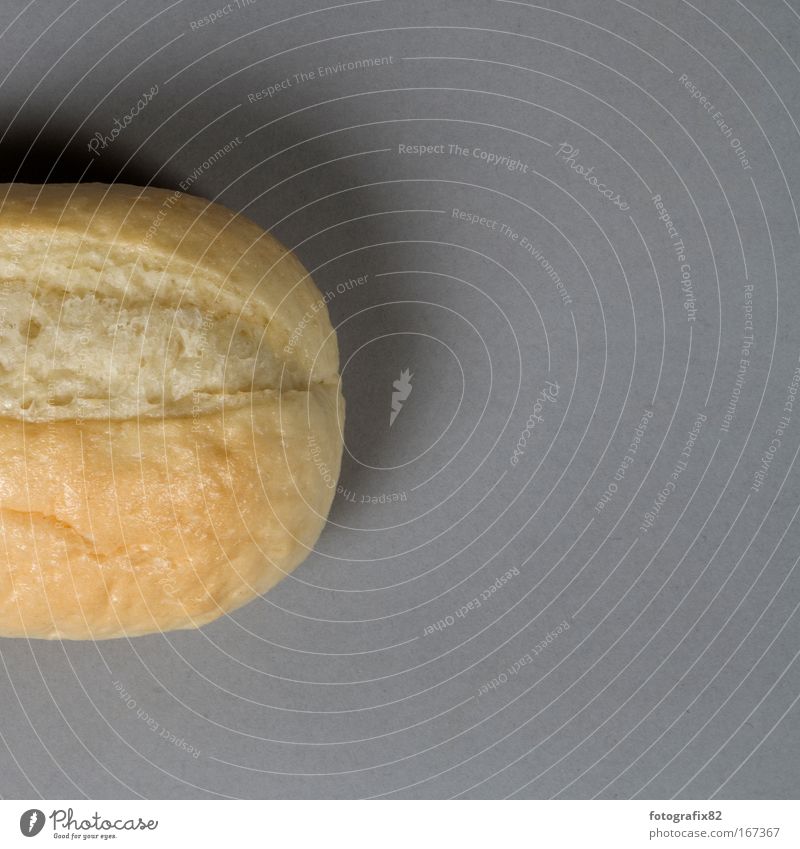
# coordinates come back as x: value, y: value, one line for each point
x: 90, y: 331
x: 78, y: 355
x: 147, y: 245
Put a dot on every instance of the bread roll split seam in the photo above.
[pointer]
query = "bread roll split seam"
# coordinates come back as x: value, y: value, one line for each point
x: 138, y: 518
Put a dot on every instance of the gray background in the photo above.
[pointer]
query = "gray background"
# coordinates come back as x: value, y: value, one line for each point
x: 678, y: 675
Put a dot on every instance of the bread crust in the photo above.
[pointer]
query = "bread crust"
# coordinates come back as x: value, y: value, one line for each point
x: 114, y: 527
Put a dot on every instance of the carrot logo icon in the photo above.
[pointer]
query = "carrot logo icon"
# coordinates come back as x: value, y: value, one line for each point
x: 31, y: 822
x: 402, y: 389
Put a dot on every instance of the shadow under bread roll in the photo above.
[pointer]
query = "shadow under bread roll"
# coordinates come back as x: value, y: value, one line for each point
x: 170, y: 411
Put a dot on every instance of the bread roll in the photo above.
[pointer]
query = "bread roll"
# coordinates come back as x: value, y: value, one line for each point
x: 170, y: 411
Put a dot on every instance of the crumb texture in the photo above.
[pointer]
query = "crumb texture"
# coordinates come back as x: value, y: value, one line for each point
x: 67, y: 356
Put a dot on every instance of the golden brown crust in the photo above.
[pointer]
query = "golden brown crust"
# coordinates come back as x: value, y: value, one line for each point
x: 134, y: 526
x: 115, y: 528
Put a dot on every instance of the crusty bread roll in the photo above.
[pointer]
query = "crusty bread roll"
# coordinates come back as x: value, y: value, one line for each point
x: 170, y: 411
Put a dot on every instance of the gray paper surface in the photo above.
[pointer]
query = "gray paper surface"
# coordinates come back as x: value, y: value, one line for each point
x: 560, y: 247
